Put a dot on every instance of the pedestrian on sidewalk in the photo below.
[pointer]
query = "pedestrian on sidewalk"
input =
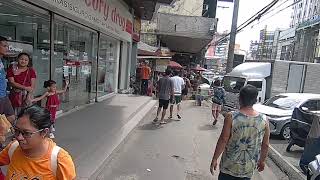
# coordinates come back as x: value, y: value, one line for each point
x: 185, y: 90
x: 145, y: 74
x: 33, y: 155
x: 218, y: 99
x: 53, y: 101
x: 165, y: 88
x: 178, y: 85
x: 244, y: 140
x: 5, y: 104
x: 22, y: 79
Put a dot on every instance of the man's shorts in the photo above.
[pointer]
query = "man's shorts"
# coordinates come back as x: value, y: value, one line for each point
x: 6, y: 107
x: 163, y: 103
x: 176, y: 100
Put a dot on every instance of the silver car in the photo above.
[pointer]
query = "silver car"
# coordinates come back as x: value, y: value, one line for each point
x: 279, y: 110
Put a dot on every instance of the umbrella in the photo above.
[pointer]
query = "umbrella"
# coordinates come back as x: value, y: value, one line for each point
x: 199, y: 69
x: 174, y: 64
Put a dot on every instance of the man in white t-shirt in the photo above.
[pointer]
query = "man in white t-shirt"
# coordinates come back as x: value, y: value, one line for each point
x: 178, y: 84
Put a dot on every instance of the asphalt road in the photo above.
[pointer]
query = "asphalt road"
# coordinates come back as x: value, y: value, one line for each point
x: 179, y: 150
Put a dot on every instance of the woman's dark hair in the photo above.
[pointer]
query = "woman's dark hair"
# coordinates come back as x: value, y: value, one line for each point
x: 49, y: 83
x: 3, y: 39
x: 217, y: 83
x: 25, y: 54
x: 39, y: 116
x: 248, y: 96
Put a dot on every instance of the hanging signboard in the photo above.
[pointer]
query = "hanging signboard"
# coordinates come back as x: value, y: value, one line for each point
x: 105, y: 15
x: 136, y: 29
x: 161, y: 65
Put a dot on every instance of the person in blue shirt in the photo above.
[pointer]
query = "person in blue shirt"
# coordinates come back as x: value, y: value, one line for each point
x: 5, y: 104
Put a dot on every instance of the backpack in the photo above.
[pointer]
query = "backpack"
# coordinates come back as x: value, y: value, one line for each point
x: 54, y: 156
x: 218, y: 96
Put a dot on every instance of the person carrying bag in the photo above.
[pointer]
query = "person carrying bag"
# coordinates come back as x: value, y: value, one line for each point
x: 22, y: 80
x: 18, y: 96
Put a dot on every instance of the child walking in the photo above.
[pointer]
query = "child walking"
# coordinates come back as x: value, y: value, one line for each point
x: 53, y: 101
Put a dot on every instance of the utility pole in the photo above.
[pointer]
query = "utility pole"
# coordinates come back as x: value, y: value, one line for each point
x: 233, y: 36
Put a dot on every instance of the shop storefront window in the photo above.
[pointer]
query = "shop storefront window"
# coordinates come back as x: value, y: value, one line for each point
x: 74, y: 57
x: 107, y: 65
x: 27, y: 29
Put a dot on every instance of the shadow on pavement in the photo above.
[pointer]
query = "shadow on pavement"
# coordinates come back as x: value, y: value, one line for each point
x: 207, y: 127
x: 277, y: 137
x: 150, y: 126
x: 294, y: 153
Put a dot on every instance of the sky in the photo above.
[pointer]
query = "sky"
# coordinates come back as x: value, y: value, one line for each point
x: 248, y: 8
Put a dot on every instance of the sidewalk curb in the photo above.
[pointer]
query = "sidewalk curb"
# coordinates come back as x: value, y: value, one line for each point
x: 123, y: 134
x: 292, y: 172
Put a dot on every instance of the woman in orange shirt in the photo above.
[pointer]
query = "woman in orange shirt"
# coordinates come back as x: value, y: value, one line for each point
x: 33, y: 155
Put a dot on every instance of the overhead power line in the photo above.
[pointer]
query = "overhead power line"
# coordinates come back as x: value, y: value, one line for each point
x: 276, y: 13
x: 253, y: 18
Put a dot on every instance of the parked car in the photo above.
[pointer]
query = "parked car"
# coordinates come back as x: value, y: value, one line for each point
x: 279, y: 110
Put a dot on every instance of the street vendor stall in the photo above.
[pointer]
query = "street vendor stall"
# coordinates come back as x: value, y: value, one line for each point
x: 174, y: 65
x: 158, y: 65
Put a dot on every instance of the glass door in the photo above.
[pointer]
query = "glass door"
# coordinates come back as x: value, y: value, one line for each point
x: 108, y: 58
x: 74, y: 57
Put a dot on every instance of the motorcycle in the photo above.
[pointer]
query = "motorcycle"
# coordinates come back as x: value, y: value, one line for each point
x: 311, y: 149
x: 314, y: 169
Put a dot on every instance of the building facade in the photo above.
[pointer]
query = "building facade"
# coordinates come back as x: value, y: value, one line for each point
x: 267, y: 44
x: 306, y: 19
x: 253, y: 50
x: 182, y: 28
x: 304, y: 10
x: 86, y: 42
x: 285, y: 47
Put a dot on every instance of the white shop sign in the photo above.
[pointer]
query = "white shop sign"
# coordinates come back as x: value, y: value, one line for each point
x: 109, y: 16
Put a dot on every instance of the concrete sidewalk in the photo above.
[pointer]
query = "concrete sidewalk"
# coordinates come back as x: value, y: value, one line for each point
x: 93, y: 133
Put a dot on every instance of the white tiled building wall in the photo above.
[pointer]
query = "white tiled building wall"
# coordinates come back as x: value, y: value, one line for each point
x: 305, y: 10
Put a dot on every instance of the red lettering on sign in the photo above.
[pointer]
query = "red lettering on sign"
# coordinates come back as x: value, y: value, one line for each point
x: 95, y: 4
x: 106, y: 12
x: 88, y: 3
x: 104, y: 8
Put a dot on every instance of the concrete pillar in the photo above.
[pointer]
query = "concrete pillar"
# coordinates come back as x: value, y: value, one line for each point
x: 134, y: 55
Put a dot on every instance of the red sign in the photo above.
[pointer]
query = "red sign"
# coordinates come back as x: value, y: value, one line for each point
x: 107, y: 11
x: 72, y: 63
x: 129, y: 26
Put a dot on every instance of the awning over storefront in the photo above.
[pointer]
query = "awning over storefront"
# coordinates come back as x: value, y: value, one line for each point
x: 185, y: 34
x: 153, y: 57
x: 184, y: 44
x: 147, y: 50
x: 309, y: 23
x: 174, y: 64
